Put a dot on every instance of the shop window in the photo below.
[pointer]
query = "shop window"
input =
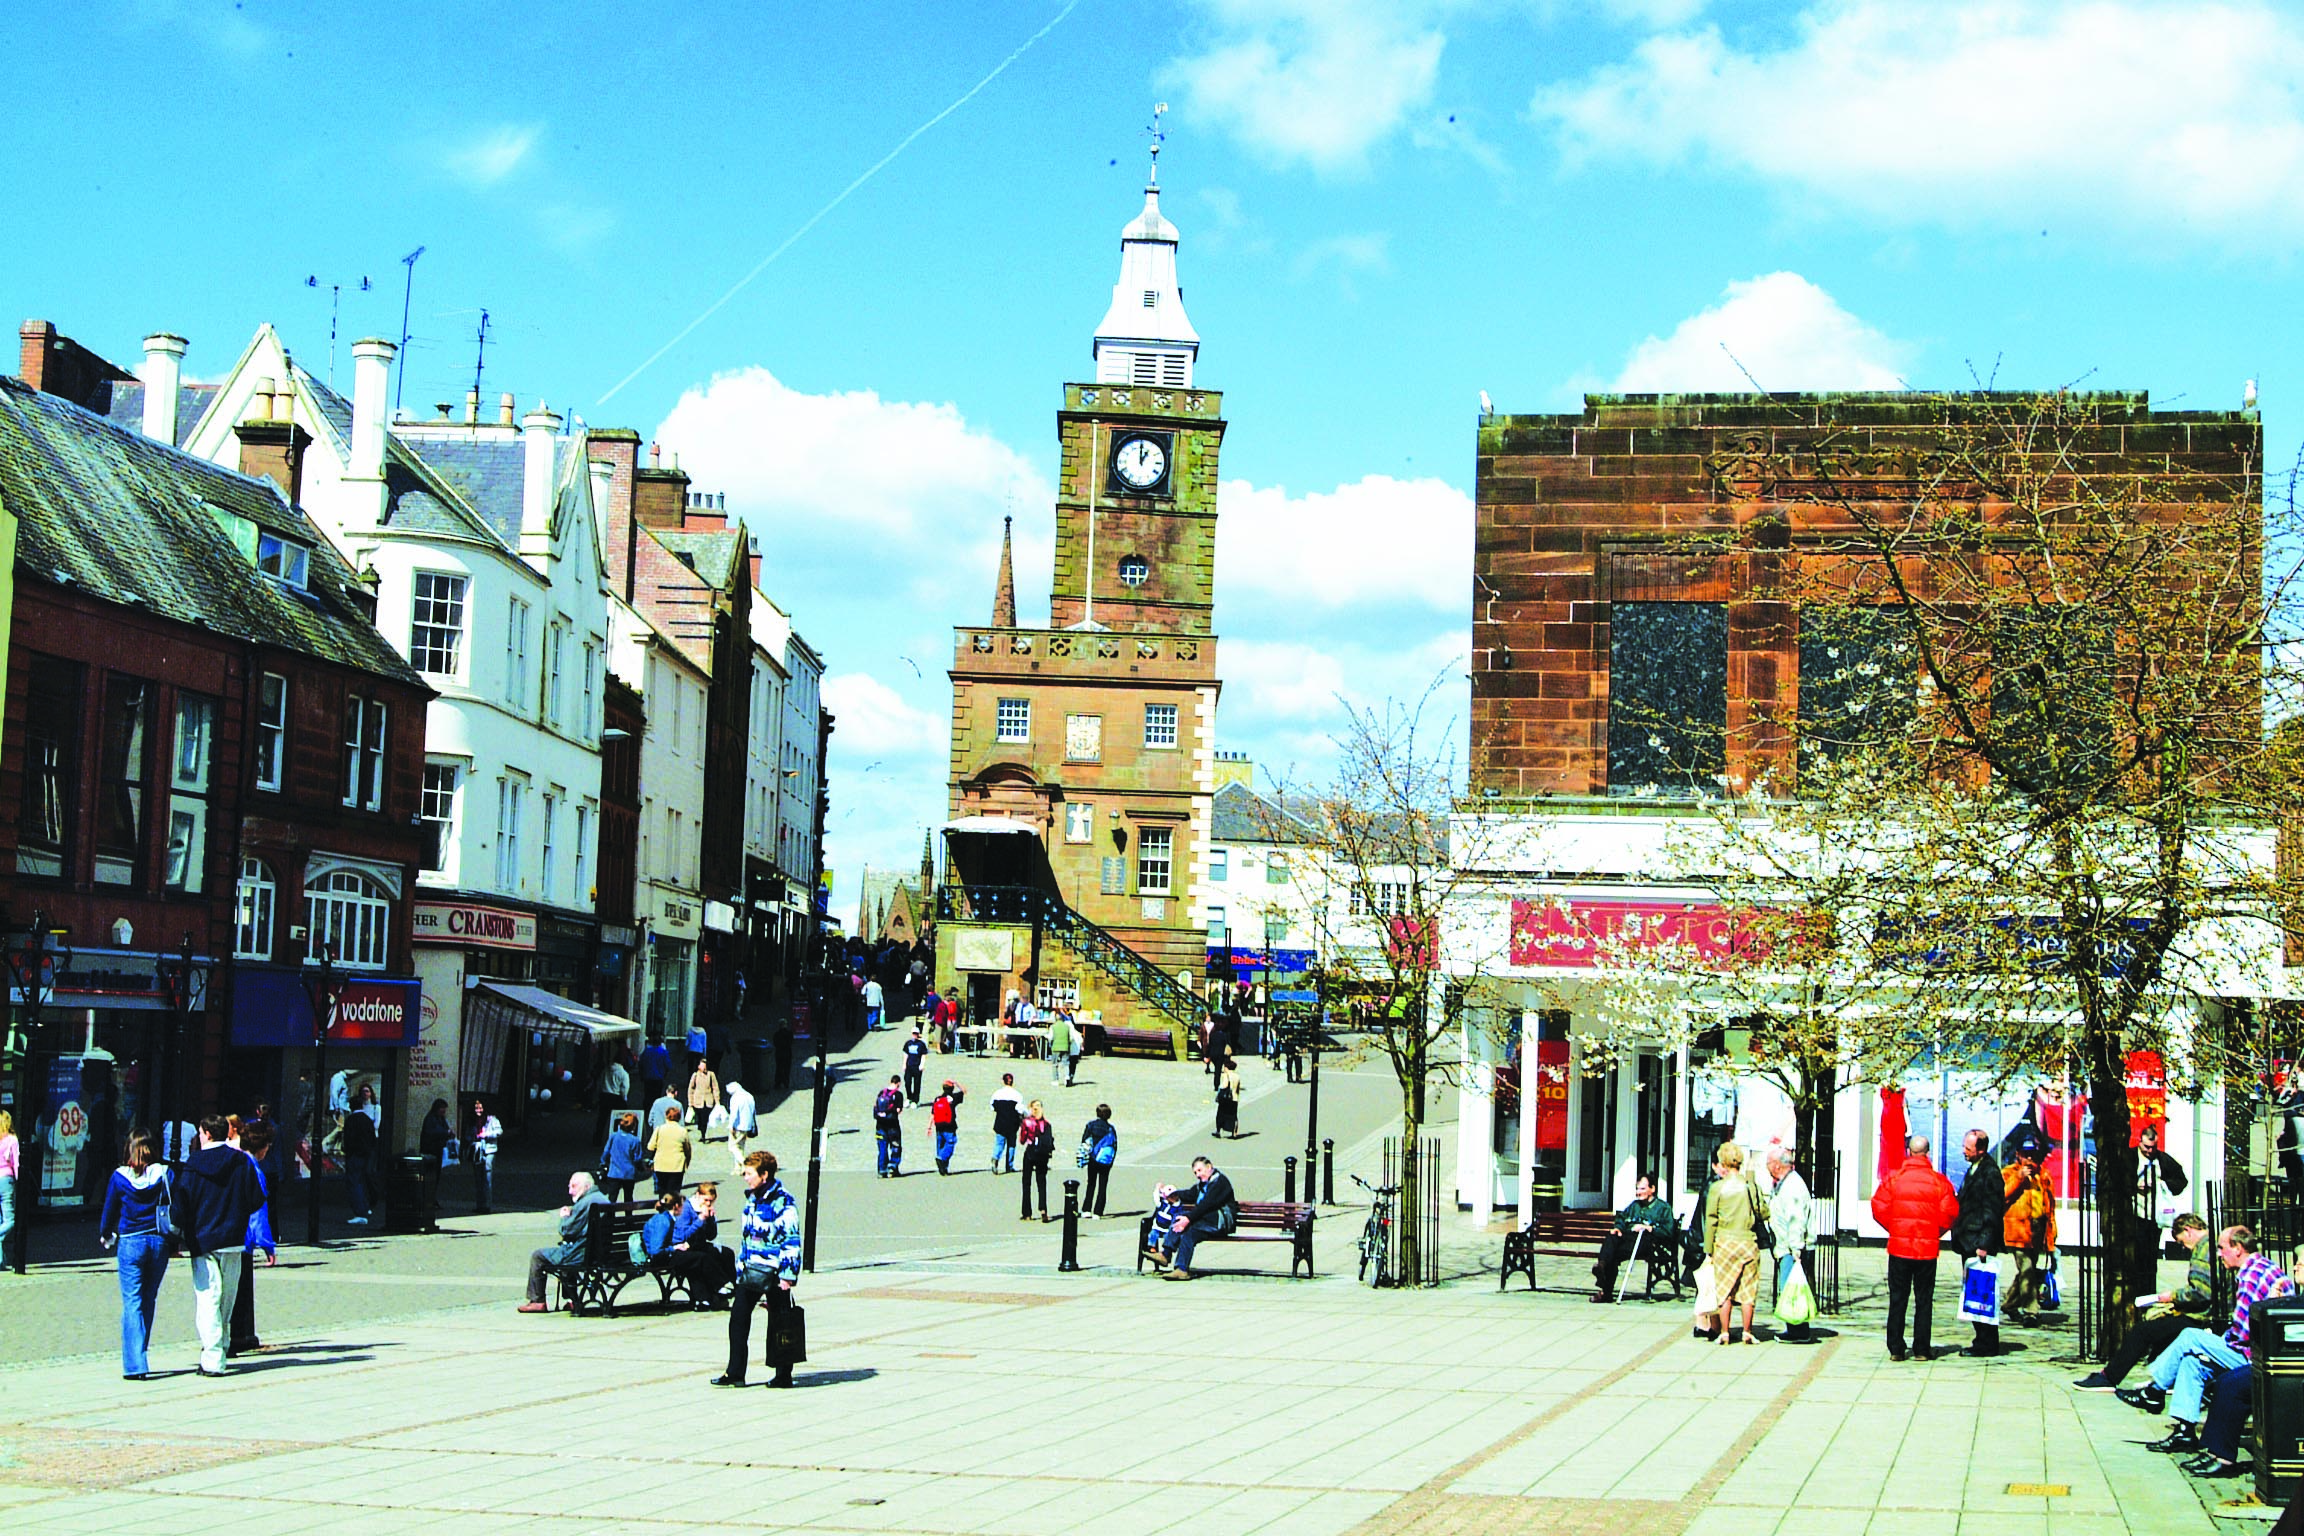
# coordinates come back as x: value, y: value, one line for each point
x: 2054, y: 700
x: 352, y: 918
x: 121, y: 807
x: 188, y: 780
x: 50, y: 803
x: 1859, y: 684
x: 258, y: 895
x: 1667, y: 697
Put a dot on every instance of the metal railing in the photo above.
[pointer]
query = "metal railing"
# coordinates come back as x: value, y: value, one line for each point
x: 1426, y: 1215
x: 1048, y: 912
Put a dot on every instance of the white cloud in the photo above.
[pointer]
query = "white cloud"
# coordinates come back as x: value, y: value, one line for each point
x: 1787, y: 333
x: 1346, y: 257
x: 489, y: 156
x: 875, y: 721
x: 2168, y: 117
x: 1375, y: 542
x: 1317, y: 83
x: 1654, y: 14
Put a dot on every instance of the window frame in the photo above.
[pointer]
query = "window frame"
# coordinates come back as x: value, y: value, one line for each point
x: 1151, y: 867
x: 285, y: 560
x: 189, y: 789
x: 1003, y: 710
x: 364, y: 731
x: 1174, y: 716
x: 427, y: 797
x: 431, y: 637
x: 271, y: 732
x: 255, y: 904
x: 345, y: 902
x: 125, y: 780
x: 55, y: 714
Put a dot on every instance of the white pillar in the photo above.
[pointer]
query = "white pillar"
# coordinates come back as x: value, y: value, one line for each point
x: 1676, y: 1159
x: 163, y: 379
x: 1531, y: 1087
x: 371, y: 386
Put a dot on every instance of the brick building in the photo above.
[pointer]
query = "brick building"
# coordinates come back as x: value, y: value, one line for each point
x: 211, y: 768
x: 1082, y: 769
x: 1623, y: 673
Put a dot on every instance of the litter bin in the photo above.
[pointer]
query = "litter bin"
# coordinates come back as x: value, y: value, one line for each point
x: 404, y: 1195
x: 2276, y: 1347
x: 759, y: 1059
x: 1545, y: 1196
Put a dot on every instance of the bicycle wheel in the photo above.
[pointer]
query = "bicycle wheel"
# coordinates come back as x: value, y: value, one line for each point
x: 1381, y: 1241
x: 1367, y: 1246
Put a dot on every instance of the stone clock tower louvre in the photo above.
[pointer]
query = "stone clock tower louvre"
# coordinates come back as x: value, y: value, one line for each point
x: 1083, y: 763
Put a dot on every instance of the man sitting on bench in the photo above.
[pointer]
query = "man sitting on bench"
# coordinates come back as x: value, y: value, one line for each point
x: 1645, y: 1226
x: 1210, y: 1212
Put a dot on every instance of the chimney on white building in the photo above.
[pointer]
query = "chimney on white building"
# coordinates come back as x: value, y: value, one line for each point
x: 538, y: 430
x: 472, y: 407
x: 163, y: 378
x: 371, y: 387
x: 603, y: 489
x: 505, y: 409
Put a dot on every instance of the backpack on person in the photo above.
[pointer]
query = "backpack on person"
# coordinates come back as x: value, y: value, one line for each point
x: 889, y: 1105
x: 941, y: 1113
x: 1107, y: 1148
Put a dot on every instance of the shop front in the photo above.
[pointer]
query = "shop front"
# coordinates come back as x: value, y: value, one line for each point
x: 532, y: 1053
x: 672, y: 922
x: 567, y: 955
x: 458, y: 943
x: 376, y: 1026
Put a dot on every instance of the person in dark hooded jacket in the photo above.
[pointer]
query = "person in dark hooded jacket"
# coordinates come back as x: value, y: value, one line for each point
x: 215, y: 1192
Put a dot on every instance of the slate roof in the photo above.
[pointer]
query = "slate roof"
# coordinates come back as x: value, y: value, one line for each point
x: 326, y: 401
x: 1243, y: 816
x: 130, y: 521
x: 126, y: 406
x: 714, y: 555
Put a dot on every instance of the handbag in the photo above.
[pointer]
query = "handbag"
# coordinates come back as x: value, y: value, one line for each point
x: 788, y: 1339
x: 1082, y: 1160
x: 1980, y: 1293
x: 2051, y: 1293
x: 164, y: 1209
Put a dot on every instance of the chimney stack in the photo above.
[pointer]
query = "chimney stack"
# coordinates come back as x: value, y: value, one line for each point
x: 163, y: 377
x: 272, y: 446
x: 504, y: 410
x: 371, y: 386
x: 472, y: 406
x: 538, y: 429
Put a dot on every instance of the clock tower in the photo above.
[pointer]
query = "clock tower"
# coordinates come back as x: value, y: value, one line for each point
x: 1096, y: 735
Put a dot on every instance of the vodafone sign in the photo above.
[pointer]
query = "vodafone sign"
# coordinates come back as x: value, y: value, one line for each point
x: 474, y: 927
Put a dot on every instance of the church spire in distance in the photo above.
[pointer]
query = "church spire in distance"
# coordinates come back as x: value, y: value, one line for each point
x: 1145, y: 337
x: 1004, y: 595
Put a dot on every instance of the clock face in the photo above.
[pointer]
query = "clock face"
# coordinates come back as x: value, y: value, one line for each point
x: 1140, y: 462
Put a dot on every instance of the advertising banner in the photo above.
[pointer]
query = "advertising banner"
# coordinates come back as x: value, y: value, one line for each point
x: 1573, y: 933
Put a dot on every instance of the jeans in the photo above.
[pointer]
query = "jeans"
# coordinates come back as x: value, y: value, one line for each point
x: 1092, y: 1197
x: 2144, y: 1342
x: 143, y: 1262
x: 891, y: 1153
x: 215, y: 1280
x: 871, y: 1018
x: 1072, y: 1063
x: 1189, y: 1239
x: 1910, y: 1282
x: 947, y: 1143
x: 360, y: 1179
x: 7, y: 1214
x: 2186, y: 1367
x: 483, y: 1181
x: 912, y: 1070
x: 244, y: 1305
x: 1003, y: 1151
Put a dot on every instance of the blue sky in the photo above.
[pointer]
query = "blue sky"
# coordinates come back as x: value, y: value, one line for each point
x: 1385, y: 209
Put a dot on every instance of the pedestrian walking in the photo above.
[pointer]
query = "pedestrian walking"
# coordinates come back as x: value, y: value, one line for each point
x: 944, y: 1116
x: 433, y: 1139
x: 11, y: 1165
x: 130, y: 1231
x: 1060, y: 1039
x: 613, y: 1093
x: 915, y: 1064
x: 1980, y: 1228
x: 621, y: 1158
x: 946, y: 1018
x: 783, y: 1042
x: 1914, y: 1205
x: 1099, y: 1149
x: 1039, y: 1141
x: 2159, y: 1181
x: 255, y: 1144
x: 655, y: 1072
x: 1792, y: 1220
x: 668, y: 1153
x: 767, y: 1268
x: 584, y: 1198
x: 360, y: 1160
x: 1007, y: 1117
x: 1734, y: 1210
x: 875, y: 1004
x: 703, y: 1096
x: 487, y: 1131
x: 213, y: 1193
x: 1228, y: 1097
x: 2029, y: 1230
x: 743, y: 1120
x: 888, y: 1128
x: 665, y: 1102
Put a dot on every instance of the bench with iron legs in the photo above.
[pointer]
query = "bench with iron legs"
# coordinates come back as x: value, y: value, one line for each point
x: 1156, y: 1040
x: 1578, y: 1235
x: 1267, y: 1221
x: 595, y: 1281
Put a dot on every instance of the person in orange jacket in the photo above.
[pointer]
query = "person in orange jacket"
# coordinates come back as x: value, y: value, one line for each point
x: 2029, y: 1230
x: 1916, y: 1205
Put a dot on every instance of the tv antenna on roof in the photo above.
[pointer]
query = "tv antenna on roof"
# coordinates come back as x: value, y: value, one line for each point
x: 335, y: 300
x: 479, y: 362
x: 400, y: 368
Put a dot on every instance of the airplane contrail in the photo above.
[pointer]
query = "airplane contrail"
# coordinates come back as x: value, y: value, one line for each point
x: 818, y: 216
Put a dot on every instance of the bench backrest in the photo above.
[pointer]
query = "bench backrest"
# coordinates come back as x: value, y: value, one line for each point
x: 1274, y: 1213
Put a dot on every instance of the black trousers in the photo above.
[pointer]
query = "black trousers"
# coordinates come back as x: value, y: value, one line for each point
x: 750, y: 1292
x: 1911, y: 1282
x: 1092, y: 1196
x: 2144, y: 1343
x: 1035, y: 1172
x: 707, y: 1267
x: 1615, y: 1249
x: 912, y: 1070
x: 242, y: 1334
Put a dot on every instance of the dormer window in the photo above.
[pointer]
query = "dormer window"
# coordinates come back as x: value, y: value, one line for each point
x: 283, y: 558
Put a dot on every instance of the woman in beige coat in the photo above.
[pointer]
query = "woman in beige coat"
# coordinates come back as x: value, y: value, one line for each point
x: 1733, y: 1210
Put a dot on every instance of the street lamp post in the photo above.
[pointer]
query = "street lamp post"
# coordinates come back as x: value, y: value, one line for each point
x: 186, y: 986
x: 821, y: 1113
x: 32, y: 961
x: 323, y: 986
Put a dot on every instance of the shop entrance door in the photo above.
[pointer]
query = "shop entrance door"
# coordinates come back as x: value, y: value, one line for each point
x: 1652, y: 1112
x: 1592, y: 1139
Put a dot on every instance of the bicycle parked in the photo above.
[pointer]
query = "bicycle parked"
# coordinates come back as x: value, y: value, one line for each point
x: 1376, y: 1236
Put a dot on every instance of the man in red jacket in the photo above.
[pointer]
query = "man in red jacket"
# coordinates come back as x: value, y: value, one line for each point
x: 1915, y: 1204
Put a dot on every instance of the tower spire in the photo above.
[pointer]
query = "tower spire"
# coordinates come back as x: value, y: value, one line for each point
x: 1145, y: 337
x: 1004, y: 595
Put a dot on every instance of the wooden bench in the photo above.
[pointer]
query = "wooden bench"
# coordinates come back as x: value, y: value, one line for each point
x: 1160, y: 1040
x: 600, y: 1276
x: 1578, y: 1235
x: 1260, y: 1221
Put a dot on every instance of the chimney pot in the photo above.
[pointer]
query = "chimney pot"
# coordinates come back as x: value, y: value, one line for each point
x: 371, y: 381
x: 504, y: 409
x: 163, y: 378
x: 472, y: 407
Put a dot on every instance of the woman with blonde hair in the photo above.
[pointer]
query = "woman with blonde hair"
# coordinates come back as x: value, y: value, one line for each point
x: 1733, y: 1211
x: 11, y: 1164
x: 1038, y: 1139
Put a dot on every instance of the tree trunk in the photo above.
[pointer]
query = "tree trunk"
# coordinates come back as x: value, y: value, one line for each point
x: 1409, y: 1241
x: 2118, y: 1226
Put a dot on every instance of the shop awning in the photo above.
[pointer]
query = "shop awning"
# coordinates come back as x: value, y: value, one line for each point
x: 983, y: 826
x: 495, y: 1010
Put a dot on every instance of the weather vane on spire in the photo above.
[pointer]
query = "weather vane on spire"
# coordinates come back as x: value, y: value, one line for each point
x: 1157, y: 133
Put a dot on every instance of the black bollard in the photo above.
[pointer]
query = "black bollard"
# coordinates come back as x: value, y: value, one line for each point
x: 1327, y: 1170
x: 1288, y: 1180
x: 1070, y: 1261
